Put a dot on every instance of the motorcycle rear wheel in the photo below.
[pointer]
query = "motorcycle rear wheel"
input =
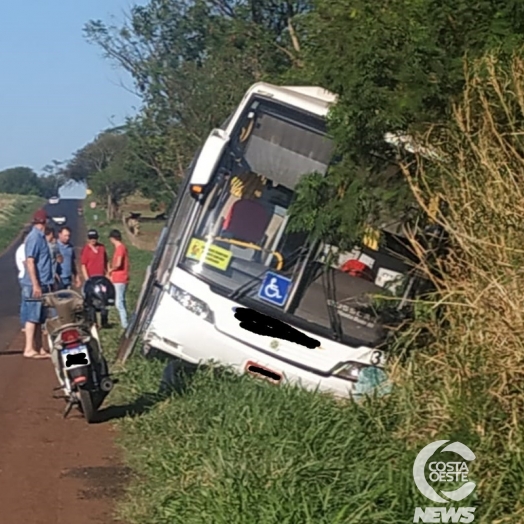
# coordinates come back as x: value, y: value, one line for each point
x: 87, y: 406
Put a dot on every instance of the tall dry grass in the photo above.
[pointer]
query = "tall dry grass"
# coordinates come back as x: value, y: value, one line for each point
x: 468, y: 383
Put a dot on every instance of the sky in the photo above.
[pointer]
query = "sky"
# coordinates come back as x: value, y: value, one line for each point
x: 57, y: 91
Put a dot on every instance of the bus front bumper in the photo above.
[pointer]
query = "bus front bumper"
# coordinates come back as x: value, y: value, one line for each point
x: 196, y: 341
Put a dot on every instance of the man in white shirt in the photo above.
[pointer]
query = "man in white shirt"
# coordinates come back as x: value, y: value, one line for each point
x: 20, y: 264
x: 20, y: 260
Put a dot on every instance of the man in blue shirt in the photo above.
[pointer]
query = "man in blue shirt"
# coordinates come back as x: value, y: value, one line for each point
x: 38, y: 279
x: 56, y: 257
x: 66, y: 269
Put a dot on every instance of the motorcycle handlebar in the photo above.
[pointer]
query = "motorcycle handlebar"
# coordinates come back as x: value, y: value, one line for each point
x: 39, y: 299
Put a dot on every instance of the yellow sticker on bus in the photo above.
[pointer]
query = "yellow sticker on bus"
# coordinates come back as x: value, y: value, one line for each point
x: 371, y: 238
x: 216, y: 257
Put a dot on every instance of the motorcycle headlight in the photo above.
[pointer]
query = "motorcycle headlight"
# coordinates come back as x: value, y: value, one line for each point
x: 191, y: 303
x: 349, y: 370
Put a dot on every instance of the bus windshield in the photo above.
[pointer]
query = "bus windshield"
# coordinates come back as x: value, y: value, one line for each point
x: 242, y: 226
x: 241, y: 244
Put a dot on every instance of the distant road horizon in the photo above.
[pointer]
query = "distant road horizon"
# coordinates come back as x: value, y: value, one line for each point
x: 73, y: 191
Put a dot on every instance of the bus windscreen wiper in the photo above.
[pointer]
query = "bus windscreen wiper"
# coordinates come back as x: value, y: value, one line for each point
x: 246, y: 287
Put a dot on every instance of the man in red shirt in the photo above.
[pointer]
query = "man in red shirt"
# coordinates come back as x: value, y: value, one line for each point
x: 119, y: 274
x: 94, y: 263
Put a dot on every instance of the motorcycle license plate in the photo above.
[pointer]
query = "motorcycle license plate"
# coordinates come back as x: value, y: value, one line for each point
x: 75, y: 357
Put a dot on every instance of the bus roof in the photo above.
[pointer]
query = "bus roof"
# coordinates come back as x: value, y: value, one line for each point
x: 310, y: 98
x: 318, y: 100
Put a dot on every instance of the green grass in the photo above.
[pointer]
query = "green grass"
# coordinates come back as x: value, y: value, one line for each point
x: 232, y: 450
x: 15, y: 212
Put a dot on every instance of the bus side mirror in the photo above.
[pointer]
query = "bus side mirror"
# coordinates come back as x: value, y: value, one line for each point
x: 208, y: 160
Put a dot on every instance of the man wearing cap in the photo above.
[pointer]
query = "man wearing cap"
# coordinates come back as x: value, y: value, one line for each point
x: 38, y: 279
x: 95, y: 263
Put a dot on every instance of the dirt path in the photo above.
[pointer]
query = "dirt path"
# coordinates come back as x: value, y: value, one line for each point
x: 52, y: 471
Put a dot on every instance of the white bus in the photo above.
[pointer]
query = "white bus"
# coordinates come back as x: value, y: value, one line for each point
x: 227, y: 245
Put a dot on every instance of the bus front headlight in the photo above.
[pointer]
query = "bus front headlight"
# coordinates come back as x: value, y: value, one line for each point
x: 191, y: 303
x: 349, y: 370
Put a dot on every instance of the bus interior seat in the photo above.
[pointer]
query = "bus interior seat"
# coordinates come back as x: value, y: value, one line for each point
x: 247, y: 221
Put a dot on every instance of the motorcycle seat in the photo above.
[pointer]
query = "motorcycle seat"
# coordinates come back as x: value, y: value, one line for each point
x: 69, y: 310
x: 66, y: 303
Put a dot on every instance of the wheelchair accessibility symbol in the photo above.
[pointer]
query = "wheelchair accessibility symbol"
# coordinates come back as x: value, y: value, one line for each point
x: 275, y: 289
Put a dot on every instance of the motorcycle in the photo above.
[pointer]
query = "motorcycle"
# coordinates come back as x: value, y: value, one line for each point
x: 73, y: 340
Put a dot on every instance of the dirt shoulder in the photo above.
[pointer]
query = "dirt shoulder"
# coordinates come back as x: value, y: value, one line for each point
x: 52, y: 471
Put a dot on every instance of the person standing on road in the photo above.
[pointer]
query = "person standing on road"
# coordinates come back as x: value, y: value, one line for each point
x: 20, y: 264
x: 56, y: 257
x: 66, y: 270
x: 38, y: 279
x: 95, y: 263
x: 119, y: 274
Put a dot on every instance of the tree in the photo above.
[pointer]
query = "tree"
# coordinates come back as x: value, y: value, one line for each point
x: 53, y: 179
x: 95, y: 156
x: 191, y: 62
x: 49, y: 185
x: 102, y: 164
x: 113, y: 183
x: 397, y: 66
x: 24, y: 181
x: 19, y: 180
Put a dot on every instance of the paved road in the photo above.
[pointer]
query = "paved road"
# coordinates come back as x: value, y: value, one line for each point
x: 52, y: 471
x: 9, y: 308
